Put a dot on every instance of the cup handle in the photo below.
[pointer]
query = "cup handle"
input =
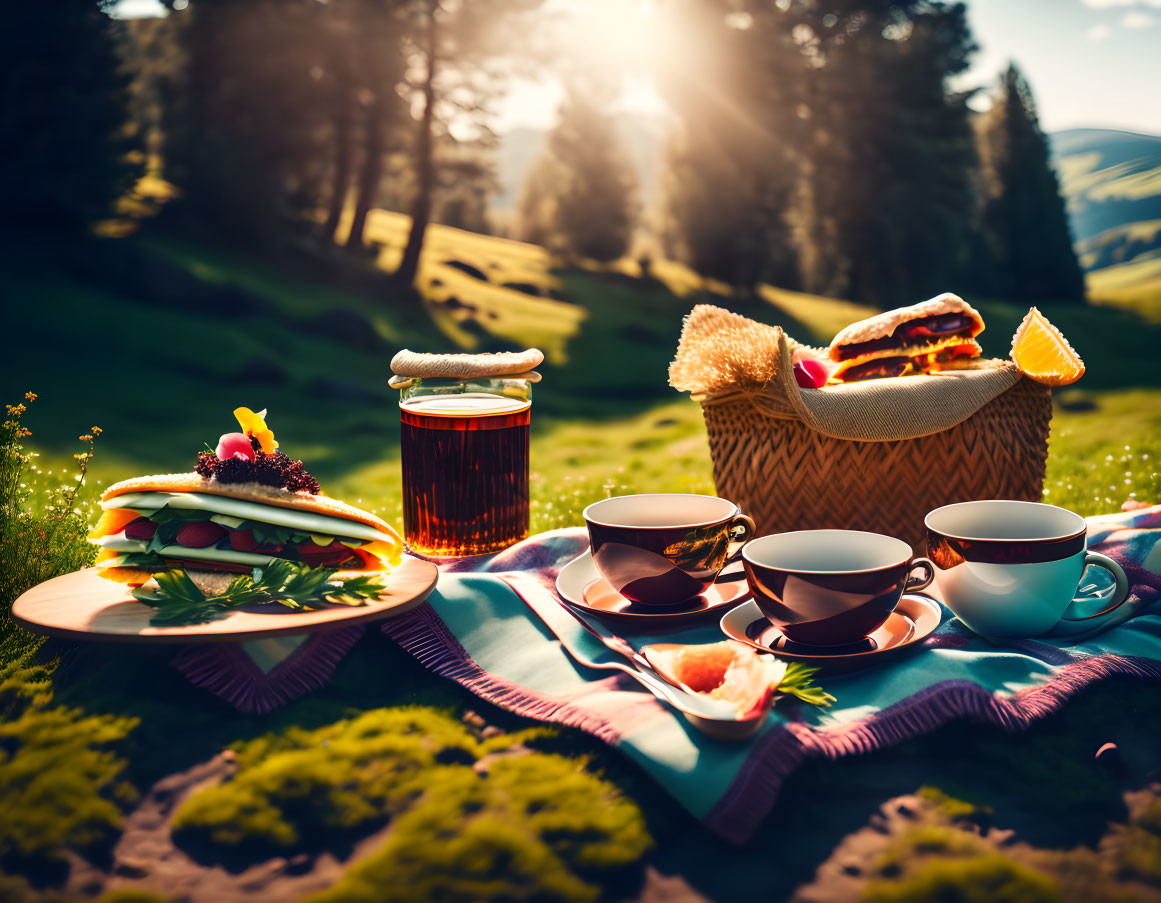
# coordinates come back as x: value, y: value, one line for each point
x: 1120, y: 593
x: 748, y: 528
x: 925, y: 580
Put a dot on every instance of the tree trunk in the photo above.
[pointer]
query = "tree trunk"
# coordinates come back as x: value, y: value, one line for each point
x: 372, y: 170
x: 425, y: 165
x: 342, y: 164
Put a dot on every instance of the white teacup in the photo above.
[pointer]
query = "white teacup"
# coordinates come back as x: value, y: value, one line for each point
x: 1011, y: 569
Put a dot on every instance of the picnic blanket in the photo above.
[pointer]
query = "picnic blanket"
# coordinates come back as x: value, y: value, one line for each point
x: 477, y: 630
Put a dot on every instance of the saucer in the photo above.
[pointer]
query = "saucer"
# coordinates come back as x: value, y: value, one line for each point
x: 581, y: 584
x: 915, y: 618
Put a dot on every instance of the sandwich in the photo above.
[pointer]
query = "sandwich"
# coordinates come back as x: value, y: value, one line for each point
x: 245, y: 506
x: 934, y: 335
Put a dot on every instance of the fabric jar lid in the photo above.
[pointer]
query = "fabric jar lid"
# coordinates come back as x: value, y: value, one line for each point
x: 408, y: 365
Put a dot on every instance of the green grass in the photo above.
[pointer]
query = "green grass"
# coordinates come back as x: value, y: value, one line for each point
x: 161, y: 378
x: 1134, y: 285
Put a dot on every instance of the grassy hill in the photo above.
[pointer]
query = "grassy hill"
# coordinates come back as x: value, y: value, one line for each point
x: 155, y: 338
x: 1112, y: 182
x: 1110, y: 178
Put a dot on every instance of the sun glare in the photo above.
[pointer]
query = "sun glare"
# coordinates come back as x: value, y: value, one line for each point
x: 619, y: 40
x: 618, y: 36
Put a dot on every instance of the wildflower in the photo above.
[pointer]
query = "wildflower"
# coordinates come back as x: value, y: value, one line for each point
x: 255, y: 425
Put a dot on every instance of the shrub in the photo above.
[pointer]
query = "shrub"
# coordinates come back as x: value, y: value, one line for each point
x: 43, y: 521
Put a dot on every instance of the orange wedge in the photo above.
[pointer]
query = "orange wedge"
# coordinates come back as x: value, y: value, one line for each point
x: 1043, y: 354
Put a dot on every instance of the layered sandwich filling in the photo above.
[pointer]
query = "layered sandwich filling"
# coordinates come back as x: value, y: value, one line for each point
x: 913, y: 336
x: 903, y: 364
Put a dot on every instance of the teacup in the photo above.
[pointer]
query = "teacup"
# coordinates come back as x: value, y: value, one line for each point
x: 830, y: 587
x: 664, y: 548
x: 1011, y: 569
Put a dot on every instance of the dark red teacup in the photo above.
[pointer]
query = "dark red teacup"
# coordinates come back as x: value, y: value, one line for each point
x: 830, y: 587
x: 664, y: 548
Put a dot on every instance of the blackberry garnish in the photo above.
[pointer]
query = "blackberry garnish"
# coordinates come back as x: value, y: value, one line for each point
x: 235, y: 470
x: 298, y: 480
x: 207, y: 461
x: 281, y: 460
x: 266, y: 470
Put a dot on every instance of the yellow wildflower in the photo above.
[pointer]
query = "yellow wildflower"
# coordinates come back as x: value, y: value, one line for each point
x: 255, y: 425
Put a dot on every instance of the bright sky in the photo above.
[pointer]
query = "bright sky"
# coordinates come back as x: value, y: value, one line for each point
x: 1093, y: 63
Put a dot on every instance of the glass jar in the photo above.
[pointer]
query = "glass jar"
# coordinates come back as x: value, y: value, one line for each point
x: 464, y: 448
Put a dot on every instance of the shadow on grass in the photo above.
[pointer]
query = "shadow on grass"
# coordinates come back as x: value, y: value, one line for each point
x: 1044, y: 783
x: 156, y: 338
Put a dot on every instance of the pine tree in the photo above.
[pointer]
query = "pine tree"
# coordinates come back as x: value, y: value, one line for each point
x: 65, y: 117
x: 536, y: 208
x: 889, y: 162
x: 282, y: 111
x: 456, y: 46
x: 730, y: 166
x: 243, y: 126
x: 587, y: 185
x: 1024, y: 216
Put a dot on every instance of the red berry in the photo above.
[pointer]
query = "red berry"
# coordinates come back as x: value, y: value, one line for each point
x: 243, y: 541
x: 199, y: 534
x: 810, y: 374
x: 142, y: 528
x: 234, y: 445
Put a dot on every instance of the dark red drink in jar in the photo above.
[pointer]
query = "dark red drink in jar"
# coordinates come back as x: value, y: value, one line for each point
x: 465, y: 467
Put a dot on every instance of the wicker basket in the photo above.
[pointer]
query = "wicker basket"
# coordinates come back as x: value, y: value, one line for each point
x: 776, y: 460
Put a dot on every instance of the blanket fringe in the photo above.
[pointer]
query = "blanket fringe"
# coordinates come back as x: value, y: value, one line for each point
x: 427, y: 638
x: 229, y: 673
x: 752, y: 795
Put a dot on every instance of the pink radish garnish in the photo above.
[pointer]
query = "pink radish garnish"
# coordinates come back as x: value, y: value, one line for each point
x: 234, y: 445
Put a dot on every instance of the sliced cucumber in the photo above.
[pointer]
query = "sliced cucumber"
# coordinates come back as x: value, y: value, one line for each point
x: 306, y: 521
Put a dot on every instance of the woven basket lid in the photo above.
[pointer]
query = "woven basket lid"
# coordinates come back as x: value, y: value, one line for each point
x: 723, y: 356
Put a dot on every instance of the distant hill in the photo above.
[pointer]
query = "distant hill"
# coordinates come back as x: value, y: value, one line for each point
x: 1112, y: 181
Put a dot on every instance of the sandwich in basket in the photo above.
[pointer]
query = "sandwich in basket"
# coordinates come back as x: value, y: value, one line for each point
x: 939, y: 334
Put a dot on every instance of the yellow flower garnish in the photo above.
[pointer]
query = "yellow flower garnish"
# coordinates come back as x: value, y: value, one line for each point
x: 255, y: 425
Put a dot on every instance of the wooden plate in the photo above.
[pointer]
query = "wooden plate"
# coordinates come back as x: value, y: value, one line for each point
x: 85, y: 606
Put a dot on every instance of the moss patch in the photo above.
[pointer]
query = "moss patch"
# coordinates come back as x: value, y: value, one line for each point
x: 532, y: 829
x: 17, y: 890
x: 984, y: 878
x: 949, y: 806
x: 60, y: 783
x: 473, y: 818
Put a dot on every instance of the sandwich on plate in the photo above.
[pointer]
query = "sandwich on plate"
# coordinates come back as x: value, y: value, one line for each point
x: 246, y: 508
x: 928, y: 337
